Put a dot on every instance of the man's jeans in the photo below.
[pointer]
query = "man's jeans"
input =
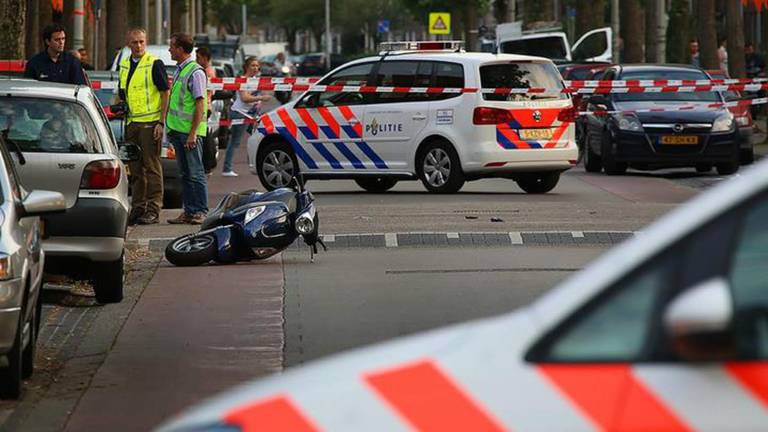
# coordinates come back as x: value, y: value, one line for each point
x: 194, y: 183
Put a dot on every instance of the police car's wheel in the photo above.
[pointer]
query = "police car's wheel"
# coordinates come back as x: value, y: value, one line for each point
x: 538, y: 183
x: 376, y: 184
x: 276, y: 165
x: 439, y: 168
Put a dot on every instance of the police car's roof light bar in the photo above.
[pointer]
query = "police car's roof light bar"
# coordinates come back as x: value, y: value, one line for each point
x: 454, y: 45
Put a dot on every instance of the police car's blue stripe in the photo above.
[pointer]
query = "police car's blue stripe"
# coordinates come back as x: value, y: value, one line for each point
x: 329, y: 132
x: 351, y: 132
x: 263, y: 131
x: 349, y: 155
x: 534, y: 144
x: 506, y: 143
x: 371, y: 154
x: 514, y: 124
x: 308, y: 134
x: 297, y: 148
x: 327, y: 155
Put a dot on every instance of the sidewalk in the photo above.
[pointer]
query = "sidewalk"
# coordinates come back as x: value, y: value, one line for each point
x: 760, y: 139
x: 192, y: 333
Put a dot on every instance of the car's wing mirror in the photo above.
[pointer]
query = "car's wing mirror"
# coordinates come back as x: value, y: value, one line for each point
x: 599, y: 101
x: 40, y: 202
x: 222, y: 95
x: 699, y: 322
x: 129, y: 152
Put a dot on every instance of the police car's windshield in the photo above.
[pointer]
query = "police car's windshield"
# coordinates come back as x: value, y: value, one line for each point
x: 521, y: 75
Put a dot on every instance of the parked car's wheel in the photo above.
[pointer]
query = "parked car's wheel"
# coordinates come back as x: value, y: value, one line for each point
x: 439, y: 168
x: 727, y: 168
x: 610, y: 165
x: 28, y: 356
x: 592, y: 162
x: 108, y: 279
x: 276, y: 165
x: 191, y: 250
x: 538, y: 183
x: 376, y: 184
x: 703, y: 168
x: 11, y: 376
x: 747, y: 156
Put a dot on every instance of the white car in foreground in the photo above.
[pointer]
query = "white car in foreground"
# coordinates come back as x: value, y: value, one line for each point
x: 668, y: 331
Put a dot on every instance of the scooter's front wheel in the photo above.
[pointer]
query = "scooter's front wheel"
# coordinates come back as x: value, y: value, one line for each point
x: 191, y: 250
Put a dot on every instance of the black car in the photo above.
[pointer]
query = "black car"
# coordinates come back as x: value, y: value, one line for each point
x: 314, y: 64
x: 701, y: 138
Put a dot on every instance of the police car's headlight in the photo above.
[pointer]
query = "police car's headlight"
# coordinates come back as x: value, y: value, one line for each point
x: 304, y: 224
x: 724, y: 123
x: 253, y: 213
x: 628, y: 122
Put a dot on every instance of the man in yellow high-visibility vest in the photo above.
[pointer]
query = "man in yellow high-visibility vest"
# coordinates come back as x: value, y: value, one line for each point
x: 144, y: 87
x: 186, y: 128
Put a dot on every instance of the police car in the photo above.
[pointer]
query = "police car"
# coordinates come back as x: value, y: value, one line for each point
x: 667, y: 332
x: 420, y: 130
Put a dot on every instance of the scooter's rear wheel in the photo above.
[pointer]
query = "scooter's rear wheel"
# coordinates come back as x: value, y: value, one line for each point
x: 191, y: 250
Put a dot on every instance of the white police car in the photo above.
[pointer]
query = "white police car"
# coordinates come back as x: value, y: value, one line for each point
x: 442, y: 138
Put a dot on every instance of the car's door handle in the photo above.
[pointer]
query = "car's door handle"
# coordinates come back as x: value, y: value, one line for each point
x: 419, y: 117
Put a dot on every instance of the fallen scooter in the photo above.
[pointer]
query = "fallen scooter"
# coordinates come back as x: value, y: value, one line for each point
x: 251, y: 225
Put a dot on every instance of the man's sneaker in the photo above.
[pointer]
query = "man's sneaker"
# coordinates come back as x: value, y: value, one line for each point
x: 183, y: 218
x: 197, y: 219
x: 148, y: 218
x: 135, y: 215
x: 229, y: 174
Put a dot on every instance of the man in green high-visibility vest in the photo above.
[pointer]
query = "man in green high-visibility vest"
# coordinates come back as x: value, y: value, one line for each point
x: 186, y: 127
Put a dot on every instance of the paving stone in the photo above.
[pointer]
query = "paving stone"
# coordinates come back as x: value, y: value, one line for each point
x: 534, y: 238
x: 408, y: 239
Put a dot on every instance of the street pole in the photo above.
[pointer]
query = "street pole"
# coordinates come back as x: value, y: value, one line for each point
x: 145, y: 15
x: 328, y: 36
x: 245, y: 21
x: 78, y: 13
x: 616, y: 27
x: 159, y: 22
x: 199, y: 16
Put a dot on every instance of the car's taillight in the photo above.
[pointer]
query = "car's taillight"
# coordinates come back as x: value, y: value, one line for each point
x: 103, y: 174
x: 568, y: 115
x: 491, y: 116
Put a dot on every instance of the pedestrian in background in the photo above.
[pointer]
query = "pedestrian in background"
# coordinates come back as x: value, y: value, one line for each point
x: 722, y: 56
x: 246, y: 106
x: 693, y: 47
x: 754, y: 62
x: 186, y: 128
x: 144, y: 88
x: 85, y: 60
x: 203, y: 58
x: 54, y: 64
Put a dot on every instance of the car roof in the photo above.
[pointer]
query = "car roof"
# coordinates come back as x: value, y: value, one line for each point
x: 658, y: 67
x: 30, y: 87
x: 463, y: 57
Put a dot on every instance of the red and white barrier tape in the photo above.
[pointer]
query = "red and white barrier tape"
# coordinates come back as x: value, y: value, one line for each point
x: 662, y: 83
x: 700, y: 107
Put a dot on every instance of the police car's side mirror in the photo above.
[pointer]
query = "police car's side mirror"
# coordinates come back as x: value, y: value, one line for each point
x: 699, y: 322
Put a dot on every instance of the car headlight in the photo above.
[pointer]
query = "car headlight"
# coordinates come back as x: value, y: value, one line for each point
x: 628, y: 122
x: 253, y: 213
x: 305, y: 224
x: 724, y: 123
x: 5, y: 267
x: 286, y: 69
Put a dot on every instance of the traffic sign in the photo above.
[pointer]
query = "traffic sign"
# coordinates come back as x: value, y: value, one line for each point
x: 439, y: 23
x: 383, y: 26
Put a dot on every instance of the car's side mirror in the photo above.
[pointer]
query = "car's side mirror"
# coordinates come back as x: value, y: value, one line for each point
x: 599, y: 100
x: 699, y: 322
x: 129, y: 152
x: 40, y: 202
x: 222, y: 95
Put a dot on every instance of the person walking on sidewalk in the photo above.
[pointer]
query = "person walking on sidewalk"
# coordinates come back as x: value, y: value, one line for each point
x: 186, y: 128
x: 144, y: 88
x: 246, y: 106
x: 54, y: 64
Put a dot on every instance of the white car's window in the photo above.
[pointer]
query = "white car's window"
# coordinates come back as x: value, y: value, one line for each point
x: 521, y: 75
x: 402, y: 74
x: 48, y: 126
x: 448, y: 75
x: 356, y: 75
x: 749, y: 282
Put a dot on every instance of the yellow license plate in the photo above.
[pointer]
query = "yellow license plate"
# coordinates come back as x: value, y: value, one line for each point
x: 680, y: 139
x: 535, y: 134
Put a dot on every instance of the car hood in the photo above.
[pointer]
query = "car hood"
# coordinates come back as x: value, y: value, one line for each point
x: 700, y: 113
x: 336, y: 386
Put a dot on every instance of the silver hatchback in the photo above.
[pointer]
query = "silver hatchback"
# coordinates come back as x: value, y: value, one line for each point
x: 69, y: 147
x: 21, y: 269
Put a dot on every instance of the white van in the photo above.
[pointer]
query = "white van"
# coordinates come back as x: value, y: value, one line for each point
x: 595, y: 45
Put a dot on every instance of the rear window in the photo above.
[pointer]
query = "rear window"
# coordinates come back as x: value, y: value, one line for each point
x: 666, y: 75
x: 47, y: 126
x: 521, y: 75
x: 548, y: 47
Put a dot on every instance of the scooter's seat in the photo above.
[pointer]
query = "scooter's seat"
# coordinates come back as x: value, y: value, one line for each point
x: 284, y: 195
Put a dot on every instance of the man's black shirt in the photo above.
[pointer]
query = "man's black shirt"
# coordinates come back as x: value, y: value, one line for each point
x: 159, y: 76
x: 67, y: 70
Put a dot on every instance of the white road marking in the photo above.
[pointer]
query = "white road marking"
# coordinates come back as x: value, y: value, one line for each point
x: 516, y: 238
x: 390, y: 240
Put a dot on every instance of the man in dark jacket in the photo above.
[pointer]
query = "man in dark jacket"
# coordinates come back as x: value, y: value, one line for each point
x: 54, y: 64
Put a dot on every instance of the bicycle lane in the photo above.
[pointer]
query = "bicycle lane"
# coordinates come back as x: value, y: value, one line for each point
x: 193, y: 332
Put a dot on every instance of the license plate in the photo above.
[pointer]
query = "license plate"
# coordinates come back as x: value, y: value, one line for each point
x: 680, y: 139
x: 536, y: 134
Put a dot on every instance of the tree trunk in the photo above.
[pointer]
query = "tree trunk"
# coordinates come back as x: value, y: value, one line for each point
x: 46, y: 17
x: 470, y: 26
x: 178, y: 8
x: 68, y: 23
x: 707, y: 34
x: 117, y: 26
x: 650, y: 32
x: 12, y: 17
x: 679, y: 32
x: 632, y: 20
x: 32, y: 38
x: 501, y: 10
x: 736, y: 60
x: 590, y: 14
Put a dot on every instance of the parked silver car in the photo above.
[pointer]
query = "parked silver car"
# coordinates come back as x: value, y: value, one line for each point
x: 21, y: 269
x: 69, y: 147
